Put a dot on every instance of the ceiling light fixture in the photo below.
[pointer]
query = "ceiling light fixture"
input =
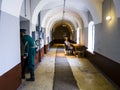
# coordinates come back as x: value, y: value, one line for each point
x: 63, y: 13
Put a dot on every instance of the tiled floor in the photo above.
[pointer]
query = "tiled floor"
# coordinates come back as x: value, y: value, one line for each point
x: 87, y: 77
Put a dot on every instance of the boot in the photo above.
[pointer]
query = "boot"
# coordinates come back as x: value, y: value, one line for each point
x: 23, y: 76
x: 32, y: 78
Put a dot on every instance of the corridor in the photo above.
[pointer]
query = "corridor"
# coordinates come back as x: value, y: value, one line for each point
x: 87, y: 77
x: 92, y: 24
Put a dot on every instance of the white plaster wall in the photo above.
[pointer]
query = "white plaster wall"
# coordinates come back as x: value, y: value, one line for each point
x: 34, y: 4
x: 32, y: 28
x: 28, y: 8
x: 0, y: 4
x: 10, y: 42
x: 107, y: 35
x: 9, y: 35
x: 25, y: 25
x: 117, y: 7
x: 95, y: 8
x: 12, y: 7
x: 85, y: 36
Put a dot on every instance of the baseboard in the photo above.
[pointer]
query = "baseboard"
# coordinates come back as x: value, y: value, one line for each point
x: 12, y: 79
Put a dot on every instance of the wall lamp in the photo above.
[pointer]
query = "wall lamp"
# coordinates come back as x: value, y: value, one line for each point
x: 108, y: 18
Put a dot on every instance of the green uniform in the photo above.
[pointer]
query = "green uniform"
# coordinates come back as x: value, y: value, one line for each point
x: 29, y: 51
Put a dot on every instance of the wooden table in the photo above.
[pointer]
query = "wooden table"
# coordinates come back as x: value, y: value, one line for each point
x: 79, y: 50
x: 76, y: 46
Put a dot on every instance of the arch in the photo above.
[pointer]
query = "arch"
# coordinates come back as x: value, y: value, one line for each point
x: 54, y: 19
x: 59, y: 23
x: 74, y: 24
x: 52, y: 22
x: 65, y: 30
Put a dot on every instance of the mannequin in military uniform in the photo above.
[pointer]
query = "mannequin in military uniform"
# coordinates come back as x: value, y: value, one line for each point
x: 29, y: 54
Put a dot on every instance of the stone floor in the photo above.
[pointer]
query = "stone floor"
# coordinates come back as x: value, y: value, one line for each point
x: 85, y: 74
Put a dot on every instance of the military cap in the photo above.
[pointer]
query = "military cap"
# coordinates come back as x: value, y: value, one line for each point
x: 23, y: 30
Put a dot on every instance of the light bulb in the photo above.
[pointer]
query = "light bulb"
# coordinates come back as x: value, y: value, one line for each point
x: 108, y: 18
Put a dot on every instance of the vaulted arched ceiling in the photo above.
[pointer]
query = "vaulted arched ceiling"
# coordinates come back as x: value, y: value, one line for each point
x: 13, y: 6
x: 81, y: 6
x: 68, y: 15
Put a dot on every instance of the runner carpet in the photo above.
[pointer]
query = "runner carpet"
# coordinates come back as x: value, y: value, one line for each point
x: 63, y: 79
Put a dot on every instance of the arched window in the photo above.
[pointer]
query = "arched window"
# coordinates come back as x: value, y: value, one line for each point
x: 91, y: 36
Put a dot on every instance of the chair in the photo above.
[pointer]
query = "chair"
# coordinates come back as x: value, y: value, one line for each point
x: 67, y: 49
